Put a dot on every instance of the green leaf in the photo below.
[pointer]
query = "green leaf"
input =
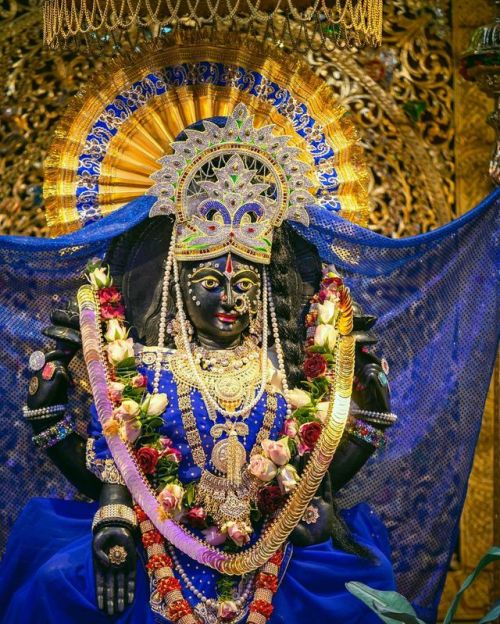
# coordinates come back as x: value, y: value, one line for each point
x: 492, y: 555
x: 492, y: 616
x: 126, y: 364
x: 316, y: 349
x: 390, y: 606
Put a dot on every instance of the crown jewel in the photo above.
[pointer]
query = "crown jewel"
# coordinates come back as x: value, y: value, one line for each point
x: 230, y: 186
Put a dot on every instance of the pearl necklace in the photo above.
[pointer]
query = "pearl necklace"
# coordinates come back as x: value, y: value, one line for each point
x: 162, y: 330
x: 211, y: 602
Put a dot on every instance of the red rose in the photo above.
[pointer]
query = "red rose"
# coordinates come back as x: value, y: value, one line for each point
x: 314, y: 366
x: 172, y: 454
x: 147, y: 458
x: 109, y: 295
x: 269, y: 499
x: 110, y: 311
x: 309, y: 434
x: 197, y: 517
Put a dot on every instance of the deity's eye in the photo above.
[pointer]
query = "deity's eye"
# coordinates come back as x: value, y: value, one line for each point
x: 244, y: 285
x: 210, y: 283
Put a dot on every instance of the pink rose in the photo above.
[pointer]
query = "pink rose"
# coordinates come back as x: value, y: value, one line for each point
x: 238, y: 532
x: 170, y: 497
x: 130, y: 430
x: 172, y: 454
x: 290, y: 427
x: 166, y: 442
x: 278, y: 452
x: 213, y: 536
x: 196, y: 517
x: 227, y: 610
x: 116, y: 391
x: 139, y: 381
x: 262, y: 468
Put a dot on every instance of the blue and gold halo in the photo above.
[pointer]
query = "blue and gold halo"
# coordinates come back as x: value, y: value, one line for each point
x: 109, y: 143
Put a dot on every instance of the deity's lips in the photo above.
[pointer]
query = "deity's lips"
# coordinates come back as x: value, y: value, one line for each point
x: 227, y: 318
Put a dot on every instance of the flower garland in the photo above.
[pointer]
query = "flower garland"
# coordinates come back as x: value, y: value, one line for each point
x: 137, y: 415
x: 143, y: 458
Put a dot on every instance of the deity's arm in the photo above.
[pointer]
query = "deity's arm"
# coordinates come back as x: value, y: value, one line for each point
x: 370, y: 406
x: 49, y: 387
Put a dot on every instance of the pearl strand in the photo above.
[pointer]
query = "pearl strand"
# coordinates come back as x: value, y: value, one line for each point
x: 163, y: 312
x: 201, y: 382
x: 279, y: 350
x: 212, y: 602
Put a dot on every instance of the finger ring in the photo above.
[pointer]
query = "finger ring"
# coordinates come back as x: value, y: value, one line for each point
x: 117, y: 555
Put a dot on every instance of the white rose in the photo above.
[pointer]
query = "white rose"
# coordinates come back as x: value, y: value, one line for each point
x: 115, y: 331
x: 99, y: 278
x: 155, y: 404
x: 128, y: 410
x: 287, y: 478
x: 120, y: 350
x: 298, y: 398
x: 326, y: 336
x: 130, y: 430
x: 326, y: 311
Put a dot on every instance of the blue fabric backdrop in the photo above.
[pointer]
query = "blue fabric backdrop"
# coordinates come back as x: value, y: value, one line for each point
x: 434, y: 295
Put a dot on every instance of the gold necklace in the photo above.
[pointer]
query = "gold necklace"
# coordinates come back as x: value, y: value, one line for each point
x: 225, y: 497
x: 231, y: 376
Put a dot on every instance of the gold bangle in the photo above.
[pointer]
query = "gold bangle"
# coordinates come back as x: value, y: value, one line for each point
x: 121, y: 513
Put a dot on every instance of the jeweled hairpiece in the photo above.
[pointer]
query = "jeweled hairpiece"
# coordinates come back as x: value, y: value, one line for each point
x: 230, y: 186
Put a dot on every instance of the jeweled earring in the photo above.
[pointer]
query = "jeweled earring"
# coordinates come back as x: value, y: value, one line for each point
x: 255, y: 326
x: 174, y: 330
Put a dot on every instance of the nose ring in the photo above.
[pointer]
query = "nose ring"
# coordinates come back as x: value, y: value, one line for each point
x: 241, y: 304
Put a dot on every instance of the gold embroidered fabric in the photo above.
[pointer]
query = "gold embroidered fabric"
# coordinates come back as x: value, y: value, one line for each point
x: 104, y: 469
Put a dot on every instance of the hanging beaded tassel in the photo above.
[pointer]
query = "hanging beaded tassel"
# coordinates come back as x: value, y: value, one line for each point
x: 235, y: 458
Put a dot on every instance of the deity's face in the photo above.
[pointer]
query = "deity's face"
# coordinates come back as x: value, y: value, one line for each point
x: 220, y: 295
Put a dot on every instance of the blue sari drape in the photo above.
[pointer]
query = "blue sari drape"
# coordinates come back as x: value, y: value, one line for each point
x: 435, y: 298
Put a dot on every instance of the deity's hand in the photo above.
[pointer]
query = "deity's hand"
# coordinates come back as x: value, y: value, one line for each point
x: 49, y: 384
x: 371, y: 387
x: 115, y: 561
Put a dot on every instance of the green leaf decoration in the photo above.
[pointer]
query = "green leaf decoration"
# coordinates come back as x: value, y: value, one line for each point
x: 492, y: 616
x: 128, y: 363
x: 492, y: 555
x: 390, y: 606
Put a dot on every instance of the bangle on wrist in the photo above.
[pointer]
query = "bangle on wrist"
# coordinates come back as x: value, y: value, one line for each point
x: 43, y: 413
x: 58, y: 432
x: 116, y: 515
x: 365, y: 432
x: 379, y: 418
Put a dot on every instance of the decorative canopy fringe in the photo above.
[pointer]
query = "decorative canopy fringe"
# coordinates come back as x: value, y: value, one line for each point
x: 301, y: 24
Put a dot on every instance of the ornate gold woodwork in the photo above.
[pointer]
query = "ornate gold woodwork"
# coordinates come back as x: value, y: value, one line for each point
x: 387, y: 90
x: 427, y: 142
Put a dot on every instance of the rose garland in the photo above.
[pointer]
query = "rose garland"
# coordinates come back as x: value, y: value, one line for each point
x: 316, y: 424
